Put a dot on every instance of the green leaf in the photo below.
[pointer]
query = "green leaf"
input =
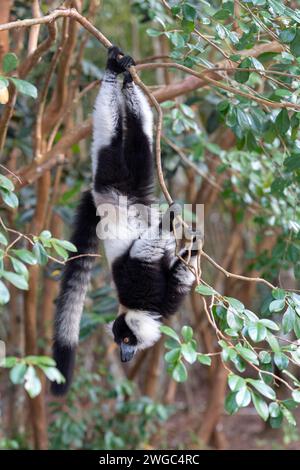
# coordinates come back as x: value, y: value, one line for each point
x: 6, y: 183
x: 277, y: 305
x: 173, y: 355
x: 25, y: 255
x: 60, y: 250
x: 3, y: 239
x: 235, y: 382
x: 45, y: 235
x: 9, y: 198
x: 17, y: 280
x: 296, y: 395
x: 10, y: 62
x: 278, y: 293
x: 19, y: 267
x: 204, y: 359
x: 187, y: 333
x: 265, y: 357
x: 177, y: 39
x: 288, y: 416
x: 297, y: 327
x: 247, y: 354
x: 233, y: 320
x: 66, y: 245
x: 179, y: 372
x: 282, y: 121
x: 271, y: 325
x: 281, y: 360
x: 189, y: 353
x: 189, y: 12
x: 4, y: 294
x: 9, y: 362
x: 32, y: 383
x: 295, y: 44
x: 205, y: 290
x: 273, y: 342
x: 292, y: 163
x: 230, y: 404
x: 40, y: 253
x: 263, y: 388
x: 288, y: 320
x: 260, y: 406
x: 257, y: 331
x: 243, y: 397
x: 287, y: 35
x: 53, y: 374
x: 222, y: 14
x: 235, y: 304
x: 154, y: 32
x: 17, y: 373
x: 221, y: 31
x: 274, y: 409
x: 41, y: 360
x: 170, y: 332
x: 242, y: 76
x: 25, y: 87
x: 276, y: 423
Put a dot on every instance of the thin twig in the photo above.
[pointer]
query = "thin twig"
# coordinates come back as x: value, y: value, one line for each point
x: 237, y: 276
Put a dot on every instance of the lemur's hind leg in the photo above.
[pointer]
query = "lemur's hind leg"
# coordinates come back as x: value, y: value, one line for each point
x: 180, y: 276
x: 138, y: 141
x: 109, y: 166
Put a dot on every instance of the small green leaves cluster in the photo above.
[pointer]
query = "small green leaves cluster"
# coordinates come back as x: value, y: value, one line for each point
x: 45, y: 243
x: 180, y: 350
x: 14, y: 261
x: 9, y: 65
x: 245, y: 390
x: 248, y: 342
x: 179, y: 117
x: 7, y: 188
x: 25, y: 372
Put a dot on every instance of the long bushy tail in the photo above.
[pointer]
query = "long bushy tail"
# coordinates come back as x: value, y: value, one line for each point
x: 74, y: 284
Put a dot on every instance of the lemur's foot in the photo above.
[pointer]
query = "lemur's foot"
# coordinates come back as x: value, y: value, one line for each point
x: 117, y: 62
x: 194, y: 241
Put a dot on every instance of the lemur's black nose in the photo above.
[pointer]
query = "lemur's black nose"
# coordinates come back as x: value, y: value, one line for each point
x: 126, y: 352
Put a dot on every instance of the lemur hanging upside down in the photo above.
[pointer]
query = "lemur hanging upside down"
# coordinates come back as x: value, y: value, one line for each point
x: 151, y: 281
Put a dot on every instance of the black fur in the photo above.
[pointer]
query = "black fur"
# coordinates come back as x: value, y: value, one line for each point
x: 85, y: 239
x: 64, y: 357
x: 125, y: 166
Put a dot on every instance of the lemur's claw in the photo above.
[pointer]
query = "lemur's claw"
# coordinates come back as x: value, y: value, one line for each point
x: 117, y: 62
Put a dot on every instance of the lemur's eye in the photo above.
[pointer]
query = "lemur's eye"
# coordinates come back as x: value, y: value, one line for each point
x: 126, y: 340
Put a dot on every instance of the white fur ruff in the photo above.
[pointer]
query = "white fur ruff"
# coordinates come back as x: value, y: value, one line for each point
x: 146, y: 327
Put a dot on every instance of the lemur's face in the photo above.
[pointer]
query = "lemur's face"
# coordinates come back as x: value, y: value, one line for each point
x: 135, y: 330
x: 125, y: 338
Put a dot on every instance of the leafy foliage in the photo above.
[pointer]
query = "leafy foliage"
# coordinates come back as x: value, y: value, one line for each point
x: 24, y: 372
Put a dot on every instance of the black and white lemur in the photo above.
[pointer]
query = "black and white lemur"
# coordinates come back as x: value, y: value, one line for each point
x: 151, y: 281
